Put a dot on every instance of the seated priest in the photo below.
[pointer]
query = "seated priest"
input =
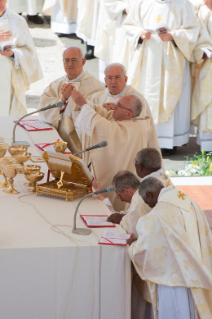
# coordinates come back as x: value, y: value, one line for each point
x: 61, y: 89
x: 173, y: 253
x: 147, y: 163
x: 125, y: 131
x: 19, y: 65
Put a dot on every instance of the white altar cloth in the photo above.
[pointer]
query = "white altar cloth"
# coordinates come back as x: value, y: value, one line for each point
x: 45, y: 275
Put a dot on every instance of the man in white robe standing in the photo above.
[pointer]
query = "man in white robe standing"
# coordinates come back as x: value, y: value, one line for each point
x: 19, y: 63
x: 63, y: 15
x: 125, y: 131
x: 60, y: 90
x: 173, y: 253
x: 32, y: 7
x: 163, y: 34
x: 201, y: 107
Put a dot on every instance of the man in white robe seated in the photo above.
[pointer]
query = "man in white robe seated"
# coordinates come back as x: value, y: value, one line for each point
x: 19, y: 63
x: 173, y: 253
x: 124, y: 130
x: 201, y: 107
x: 31, y: 7
x: 147, y: 163
x: 163, y: 35
x: 61, y: 89
x: 63, y: 15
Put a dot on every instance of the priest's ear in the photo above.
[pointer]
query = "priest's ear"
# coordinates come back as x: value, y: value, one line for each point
x: 150, y: 200
x: 125, y: 78
x: 83, y: 61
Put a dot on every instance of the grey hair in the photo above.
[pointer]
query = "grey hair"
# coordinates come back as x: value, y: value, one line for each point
x: 116, y: 64
x: 125, y: 179
x: 135, y: 105
x: 150, y: 158
x: 149, y: 185
x: 81, y: 54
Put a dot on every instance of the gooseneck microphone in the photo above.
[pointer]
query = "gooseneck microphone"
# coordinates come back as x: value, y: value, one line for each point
x: 14, y: 142
x: 99, y: 145
x: 85, y: 231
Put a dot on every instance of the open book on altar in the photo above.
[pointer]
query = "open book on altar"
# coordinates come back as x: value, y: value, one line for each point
x: 114, y: 238
x: 96, y: 221
x: 72, y: 177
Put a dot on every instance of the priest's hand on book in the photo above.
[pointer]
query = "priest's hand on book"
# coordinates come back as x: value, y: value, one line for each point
x: 7, y: 52
x: 165, y: 37
x: 131, y: 240
x: 78, y: 98
x: 5, y: 36
x: 115, y: 218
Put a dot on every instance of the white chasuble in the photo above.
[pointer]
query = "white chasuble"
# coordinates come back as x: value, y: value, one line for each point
x: 158, y: 68
x: 174, y: 249
x: 201, y: 107
x: 20, y: 71
x: 63, y: 15
x: 64, y: 122
x: 31, y: 7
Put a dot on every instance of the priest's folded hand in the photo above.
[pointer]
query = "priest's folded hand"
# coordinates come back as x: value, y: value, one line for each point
x: 115, y: 218
x: 7, y: 53
x: 78, y: 98
x: 66, y: 90
x: 165, y: 37
x: 5, y: 36
x: 145, y: 35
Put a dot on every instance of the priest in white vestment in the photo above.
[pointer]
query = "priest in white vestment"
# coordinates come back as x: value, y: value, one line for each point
x: 32, y: 7
x: 63, y: 15
x: 125, y: 131
x: 61, y: 89
x: 173, y: 253
x: 19, y: 63
x: 163, y: 34
x: 201, y: 107
x: 111, y: 42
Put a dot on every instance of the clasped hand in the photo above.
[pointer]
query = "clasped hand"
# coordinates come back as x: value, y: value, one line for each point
x: 109, y: 106
x: 66, y: 91
x: 78, y: 98
x: 5, y: 36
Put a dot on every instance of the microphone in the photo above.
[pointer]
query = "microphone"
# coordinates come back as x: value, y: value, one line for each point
x: 85, y: 231
x: 99, y: 145
x: 58, y: 104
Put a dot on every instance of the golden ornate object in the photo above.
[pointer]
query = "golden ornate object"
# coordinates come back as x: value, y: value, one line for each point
x: 60, y: 146
x: 75, y: 180
x: 20, y: 158
x: 17, y: 149
x: 10, y: 170
x: 3, y: 150
x: 34, y: 178
x: 28, y: 169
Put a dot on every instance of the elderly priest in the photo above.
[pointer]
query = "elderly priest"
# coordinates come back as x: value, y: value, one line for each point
x: 19, y: 65
x: 125, y: 131
x: 173, y: 253
x: 61, y: 89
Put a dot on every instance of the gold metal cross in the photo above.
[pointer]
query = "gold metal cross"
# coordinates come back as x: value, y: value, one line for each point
x: 158, y: 19
x: 181, y: 195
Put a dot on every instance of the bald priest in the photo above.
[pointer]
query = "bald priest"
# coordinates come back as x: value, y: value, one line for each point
x: 60, y: 90
x: 125, y: 131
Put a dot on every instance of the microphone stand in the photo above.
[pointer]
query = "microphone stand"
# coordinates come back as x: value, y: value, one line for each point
x: 80, y: 231
x: 58, y: 104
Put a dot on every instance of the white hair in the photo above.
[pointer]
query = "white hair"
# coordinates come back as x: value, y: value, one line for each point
x: 135, y: 104
x: 116, y: 64
x: 81, y: 54
x: 125, y: 179
x: 149, y: 185
x: 150, y: 158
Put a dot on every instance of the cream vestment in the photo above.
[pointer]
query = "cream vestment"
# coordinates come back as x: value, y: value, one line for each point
x: 32, y: 7
x: 160, y: 70
x: 201, y: 107
x: 19, y: 72
x: 87, y: 85
x: 125, y: 139
x: 174, y: 249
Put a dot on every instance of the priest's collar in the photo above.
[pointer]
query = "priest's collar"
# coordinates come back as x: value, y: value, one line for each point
x: 77, y: 79
x: 5, y: 15
x: 122, y: 93
x: 163, y: 1
x: 153, y: 174
x: 164, y: 190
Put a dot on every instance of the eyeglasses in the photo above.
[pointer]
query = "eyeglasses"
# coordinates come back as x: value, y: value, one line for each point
x: 73, y: 61
x: 117, y: 78
x: 119, y: 105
